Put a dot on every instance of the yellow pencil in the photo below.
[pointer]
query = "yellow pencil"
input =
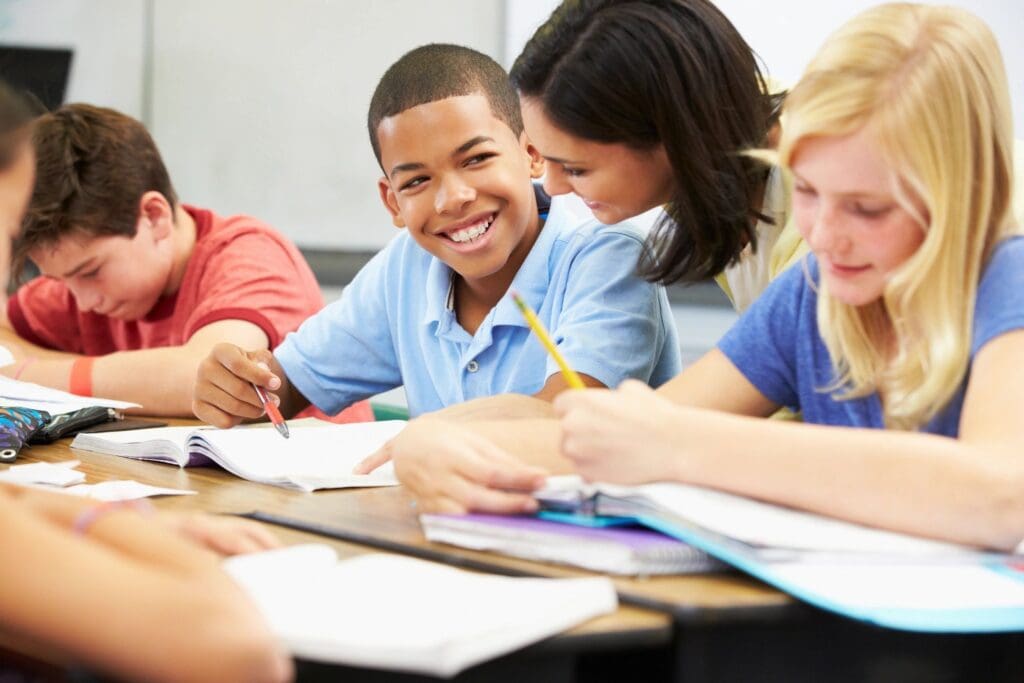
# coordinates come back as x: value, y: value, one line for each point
x: 571, y: 377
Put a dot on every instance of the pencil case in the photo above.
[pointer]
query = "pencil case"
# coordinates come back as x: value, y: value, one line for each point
x: 71, y: 423
x: 17, y: 426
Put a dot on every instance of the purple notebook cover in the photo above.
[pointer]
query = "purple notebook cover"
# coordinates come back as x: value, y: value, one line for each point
x: 633, y: 537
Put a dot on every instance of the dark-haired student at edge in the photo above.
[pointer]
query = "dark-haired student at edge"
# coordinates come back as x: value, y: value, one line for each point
x: 120, y: 589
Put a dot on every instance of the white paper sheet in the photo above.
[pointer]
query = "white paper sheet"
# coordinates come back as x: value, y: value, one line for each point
x: 15, y: 393
x: 46, y: 473
x: 398, y: 613
x: 127, y: 489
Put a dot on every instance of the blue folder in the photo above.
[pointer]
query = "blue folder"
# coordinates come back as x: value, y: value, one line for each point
x: 968, y: 592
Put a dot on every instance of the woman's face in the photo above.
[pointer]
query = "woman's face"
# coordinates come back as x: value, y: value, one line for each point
x: 16, y: 182
x: 614, y: 180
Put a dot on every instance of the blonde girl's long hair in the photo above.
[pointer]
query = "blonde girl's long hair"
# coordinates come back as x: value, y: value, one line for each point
x: 929, y: 83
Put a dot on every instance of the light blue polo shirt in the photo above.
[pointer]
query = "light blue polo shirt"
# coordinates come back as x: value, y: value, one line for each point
x: 395, y: 324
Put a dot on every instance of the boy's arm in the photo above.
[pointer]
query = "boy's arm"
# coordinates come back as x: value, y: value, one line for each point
x: 159, y: 379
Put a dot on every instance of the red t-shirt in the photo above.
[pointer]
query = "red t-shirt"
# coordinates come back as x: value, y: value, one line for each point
x: 240, y: 269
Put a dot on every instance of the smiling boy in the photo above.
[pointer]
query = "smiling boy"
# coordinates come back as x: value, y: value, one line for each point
x: 429, y: 311
x: 137, y: 287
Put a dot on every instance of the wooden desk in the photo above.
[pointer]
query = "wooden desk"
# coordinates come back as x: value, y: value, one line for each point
x: 724, y: 627
x: 630, y: 631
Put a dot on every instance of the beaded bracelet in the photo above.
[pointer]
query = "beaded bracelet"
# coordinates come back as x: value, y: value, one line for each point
x: 22, y: 366
x: 85, y: 519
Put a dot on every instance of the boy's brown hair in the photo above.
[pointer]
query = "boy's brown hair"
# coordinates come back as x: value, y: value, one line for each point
x: 92, y: 167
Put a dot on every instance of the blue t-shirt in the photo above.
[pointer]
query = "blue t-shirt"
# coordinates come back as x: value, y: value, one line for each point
x: 777, y: 347
x: 395, y: 324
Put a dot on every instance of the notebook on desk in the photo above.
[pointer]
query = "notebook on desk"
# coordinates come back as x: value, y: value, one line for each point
x: 315, y: 457
x: 607, y: 547
x: 878, y: 576
x: 398, y: 613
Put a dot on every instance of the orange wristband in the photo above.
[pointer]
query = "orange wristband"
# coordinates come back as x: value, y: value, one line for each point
x: 80, y: 381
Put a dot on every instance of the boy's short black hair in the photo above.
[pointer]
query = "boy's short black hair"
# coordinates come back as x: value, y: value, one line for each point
x: 436, y: 72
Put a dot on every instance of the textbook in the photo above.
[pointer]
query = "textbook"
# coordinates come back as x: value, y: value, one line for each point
x: 315, y: 457
x: 402, y: 614
x: 607, y: 546
x: 882, y: 577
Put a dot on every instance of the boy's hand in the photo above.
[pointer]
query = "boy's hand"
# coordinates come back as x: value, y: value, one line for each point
x: 223, y: 395
x: 450, y: 469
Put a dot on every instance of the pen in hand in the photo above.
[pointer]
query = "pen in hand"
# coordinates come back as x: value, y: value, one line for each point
x: 272, y: 412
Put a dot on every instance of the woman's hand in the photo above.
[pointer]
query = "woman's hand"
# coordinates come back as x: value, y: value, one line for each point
x: 448, y: 468
x: 625, y: 436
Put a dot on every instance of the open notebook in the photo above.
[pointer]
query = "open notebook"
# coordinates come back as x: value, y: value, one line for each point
x: 315, y: 457
x: 883, y: 577
x: 402, y: 614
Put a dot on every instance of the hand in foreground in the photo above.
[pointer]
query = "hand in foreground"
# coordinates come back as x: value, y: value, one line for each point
x: 624, y: 436
x: 222, y: 534
x: 223, y: 395
x: 448, y: 468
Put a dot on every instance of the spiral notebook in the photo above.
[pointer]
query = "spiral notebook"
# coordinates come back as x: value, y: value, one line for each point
x: 609, y: 546
x: 319, y: 456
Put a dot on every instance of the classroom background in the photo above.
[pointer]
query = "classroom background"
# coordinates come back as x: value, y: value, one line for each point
x: 259, y: 107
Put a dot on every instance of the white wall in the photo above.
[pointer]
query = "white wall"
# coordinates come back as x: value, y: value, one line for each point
x: 260, y: 106
x: 107, y: 37
x: 787, y: 33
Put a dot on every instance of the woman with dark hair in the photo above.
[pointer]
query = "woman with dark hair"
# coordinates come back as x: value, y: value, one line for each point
x: 652, y: 103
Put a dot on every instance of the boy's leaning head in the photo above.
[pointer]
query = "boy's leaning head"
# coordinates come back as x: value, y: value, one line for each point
x: 93, y: 165
x: 101, y: 212
x: 446, y: 128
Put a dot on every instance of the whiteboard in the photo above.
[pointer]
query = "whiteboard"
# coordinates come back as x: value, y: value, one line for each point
x: 108, y: 39
x: 260, y: 107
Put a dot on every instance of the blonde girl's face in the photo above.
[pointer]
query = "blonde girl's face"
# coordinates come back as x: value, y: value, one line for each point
x: 845, y: 208
x: 615, y: 181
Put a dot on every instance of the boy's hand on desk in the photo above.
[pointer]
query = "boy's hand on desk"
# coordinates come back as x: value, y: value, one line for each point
x: 223, y: 395
x: 450, y: 469
x: 225, y: 535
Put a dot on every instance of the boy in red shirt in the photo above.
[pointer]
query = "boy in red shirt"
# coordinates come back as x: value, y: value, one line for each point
x: 137, y: 287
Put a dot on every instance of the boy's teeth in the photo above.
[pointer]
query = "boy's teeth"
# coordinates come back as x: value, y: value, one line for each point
x: 472, y: 232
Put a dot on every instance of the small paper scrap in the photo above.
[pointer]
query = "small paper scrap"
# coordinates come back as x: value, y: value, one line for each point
x: 48, y: 473
x: 110, y: 491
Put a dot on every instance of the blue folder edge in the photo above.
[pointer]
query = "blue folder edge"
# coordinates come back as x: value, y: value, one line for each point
x: 922, y: 620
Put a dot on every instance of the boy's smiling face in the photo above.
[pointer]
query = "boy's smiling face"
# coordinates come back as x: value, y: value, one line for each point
x: 458, y: 179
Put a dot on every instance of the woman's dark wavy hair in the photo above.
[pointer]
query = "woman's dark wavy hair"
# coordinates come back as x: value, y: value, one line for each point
x: 674, y: 72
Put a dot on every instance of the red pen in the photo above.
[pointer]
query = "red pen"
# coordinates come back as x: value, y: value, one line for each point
x: 272, y: 412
